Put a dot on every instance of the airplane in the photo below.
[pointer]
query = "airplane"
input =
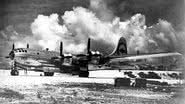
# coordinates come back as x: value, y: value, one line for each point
x: 47, y: 61
x: 77, y: 64
x: 36, y: 60
x: 120, y: 59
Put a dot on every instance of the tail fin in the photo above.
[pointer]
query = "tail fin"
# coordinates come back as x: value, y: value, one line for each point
x: 121, y: 48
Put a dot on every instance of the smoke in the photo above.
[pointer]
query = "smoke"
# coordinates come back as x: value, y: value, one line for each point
x: 47, y: 31
x: 80, y: 24
x: 99, y: 23
x: 159, y: 37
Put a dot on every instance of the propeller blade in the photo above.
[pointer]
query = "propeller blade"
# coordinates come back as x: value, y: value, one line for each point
x: 61, y: 49
x: 88, y: 46
x: 27, y: 45
x: 7, y: 57
x: 13, y: 46
x: 12, y: 55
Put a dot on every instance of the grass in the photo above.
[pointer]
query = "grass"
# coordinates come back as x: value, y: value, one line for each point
x: 90, y: 93
x: 8, y: 93
x: 76, y: 93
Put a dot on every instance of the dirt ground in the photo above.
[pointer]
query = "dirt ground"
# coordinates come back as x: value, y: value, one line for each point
x: 65, y: 89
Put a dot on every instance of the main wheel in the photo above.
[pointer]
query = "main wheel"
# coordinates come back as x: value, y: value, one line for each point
x: 83, y: 74
x: 48, y: 73
x: 75, y: 70
x: 14, y: 72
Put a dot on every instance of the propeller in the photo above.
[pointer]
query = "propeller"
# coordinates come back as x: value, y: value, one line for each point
x: 61, y: 49
x: 88, y: 46
x: 27, y: 46
x: 89, y: 54
x: 61, y: 52
x: 13, y: 46
x: 11, y: 54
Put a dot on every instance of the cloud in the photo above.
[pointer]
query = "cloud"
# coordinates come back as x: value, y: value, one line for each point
x: 170, y: 10
x: 100, y: 23
x: 81, y: 23
x: 99, y: 7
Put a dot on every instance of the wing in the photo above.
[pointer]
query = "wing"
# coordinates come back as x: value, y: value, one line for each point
x: 136, y: 57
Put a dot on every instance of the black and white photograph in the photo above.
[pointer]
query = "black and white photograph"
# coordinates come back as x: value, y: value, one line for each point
x: 92, y: 52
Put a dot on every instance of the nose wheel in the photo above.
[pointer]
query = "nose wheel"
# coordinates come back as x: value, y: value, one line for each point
x: 14, y: 70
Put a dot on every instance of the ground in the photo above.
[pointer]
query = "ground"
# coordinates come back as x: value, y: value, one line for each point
x: 31, y: 88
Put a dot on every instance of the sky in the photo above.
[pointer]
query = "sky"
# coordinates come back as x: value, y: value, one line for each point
x: 148, y: 25
x: 22, y: 12
x: 17, y: 16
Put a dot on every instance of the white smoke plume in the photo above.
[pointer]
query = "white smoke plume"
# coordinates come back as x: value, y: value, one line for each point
x: 81, y: 24
x: 47, y: 31
x: 159, y: 37
x: 78, y: 26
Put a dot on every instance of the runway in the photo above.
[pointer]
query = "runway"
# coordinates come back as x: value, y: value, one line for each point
x: 31, y: 88
x: 34, y: 78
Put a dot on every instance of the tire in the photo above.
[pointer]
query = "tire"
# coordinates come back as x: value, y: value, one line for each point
x: 75, y: 70
x: 83, y: 74
x: 122, y: 82
x: 14, y: 72
x: 48, y: 73
x: 140, y: 83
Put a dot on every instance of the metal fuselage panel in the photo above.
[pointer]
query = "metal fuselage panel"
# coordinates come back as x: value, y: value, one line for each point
x: 35, y: 58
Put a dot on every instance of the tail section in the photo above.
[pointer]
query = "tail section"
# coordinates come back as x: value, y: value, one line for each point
x: 121, y: 48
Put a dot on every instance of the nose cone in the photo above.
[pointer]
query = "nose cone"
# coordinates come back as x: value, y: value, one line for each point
x: 12, y: 55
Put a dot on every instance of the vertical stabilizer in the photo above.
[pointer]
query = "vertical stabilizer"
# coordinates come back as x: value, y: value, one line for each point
x: 121, y: 48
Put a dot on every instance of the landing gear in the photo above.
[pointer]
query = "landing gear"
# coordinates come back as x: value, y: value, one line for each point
x: 48, y: 73
x: 14, y: 72
x: 83, y: 74
x: 75, y: 70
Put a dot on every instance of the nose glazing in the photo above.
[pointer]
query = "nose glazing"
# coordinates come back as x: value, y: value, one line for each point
x: 12, y: 55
